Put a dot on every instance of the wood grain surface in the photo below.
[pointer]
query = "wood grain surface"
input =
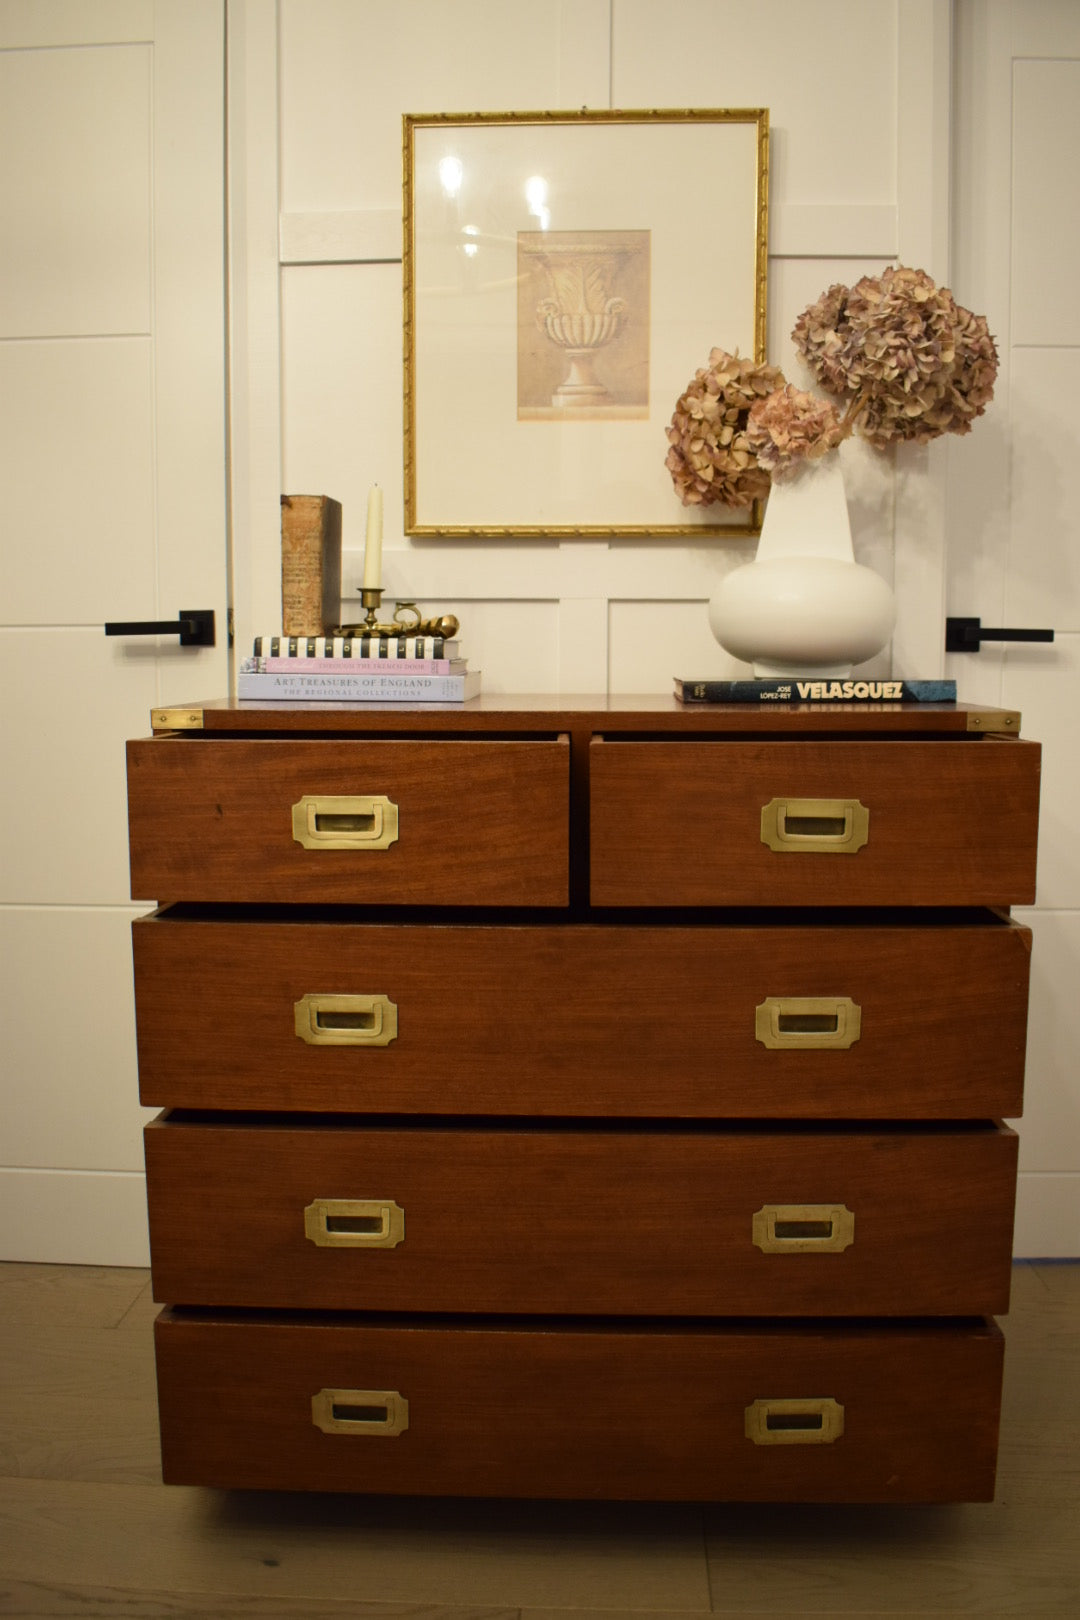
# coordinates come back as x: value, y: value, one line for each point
x: 583, y: 1222
x: 623, y: 1019
x: 585, y: 712
x: 591, y: 921
x: 609, y: 1412
x: 480, y: 822
x: 679, y: 823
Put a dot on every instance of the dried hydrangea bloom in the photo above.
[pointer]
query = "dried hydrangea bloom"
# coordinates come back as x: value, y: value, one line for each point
x: 913, y: 363
x: 974, y: 373
x: 822, y: 336
x: 903, y: 337
x: 945, y: 405
x: 791, y: 427
x: 709, y: 458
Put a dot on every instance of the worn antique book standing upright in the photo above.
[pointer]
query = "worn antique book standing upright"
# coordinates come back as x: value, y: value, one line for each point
x: 595, y: 1098
x: 310, y: 564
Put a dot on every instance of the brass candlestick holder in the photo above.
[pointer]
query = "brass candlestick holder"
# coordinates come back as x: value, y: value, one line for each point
x: 370, y: 599
x: 407, y: 620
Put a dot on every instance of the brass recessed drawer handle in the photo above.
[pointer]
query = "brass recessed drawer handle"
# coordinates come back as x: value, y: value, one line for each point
x: 803, y: 1228
x: 345, y: 821
x: 801, y: 1023
x: 375, y: 1412
x: 328, y: 1020
x: 354, y: 1223
x: 815, y: 1421
x: 815, y: 826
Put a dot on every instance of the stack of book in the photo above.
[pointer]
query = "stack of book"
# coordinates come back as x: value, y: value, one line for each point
x: 357, y: 669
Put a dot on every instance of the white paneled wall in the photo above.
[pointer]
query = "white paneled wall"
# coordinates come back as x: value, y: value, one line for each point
x: 57, y: 202
x: 76, y: 456
x: 1046, y: 130
x: 95, y: 399
x: 1014, y: 495
x: 791, y: 59
x: 869, y: 132
x: 326, y: 91
x: 1042, y: 578
x: 112, y: 462
x: 350, y: 68
x: 70, y: 1105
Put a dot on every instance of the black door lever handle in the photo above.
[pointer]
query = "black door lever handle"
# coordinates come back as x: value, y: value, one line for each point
x: 195, y: 627
x: 966, y: 635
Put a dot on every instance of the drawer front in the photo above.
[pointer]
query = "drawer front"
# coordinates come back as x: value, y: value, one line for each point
x: 444, y: 822
x: 813, y: 823
x: 722, y: 1021
x: 647, y: 1222
x: 887, y: 1415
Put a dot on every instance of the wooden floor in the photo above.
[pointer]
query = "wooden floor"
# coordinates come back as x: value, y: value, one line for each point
x: 87, y: 1528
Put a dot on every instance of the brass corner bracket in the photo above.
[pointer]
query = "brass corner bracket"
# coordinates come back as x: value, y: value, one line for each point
x: 176, y: 719
x: 997, y: 720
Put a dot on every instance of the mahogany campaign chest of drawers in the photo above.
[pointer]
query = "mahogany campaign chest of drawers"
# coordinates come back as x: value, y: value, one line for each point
x: 582, y: 1097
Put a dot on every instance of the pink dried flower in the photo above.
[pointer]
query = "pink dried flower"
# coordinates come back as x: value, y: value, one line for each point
x: 790, y: 427
x: 823, y: 337
x: 971, y: 386
x: 710, y: 459
x: 910, y: 362
x: 913, y: 363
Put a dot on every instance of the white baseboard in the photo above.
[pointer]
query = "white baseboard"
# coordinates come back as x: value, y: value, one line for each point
x: 74, y: 1217
x: 1047, y: 1217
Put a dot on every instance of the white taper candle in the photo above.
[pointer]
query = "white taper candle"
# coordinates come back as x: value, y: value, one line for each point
x: 373, y: 544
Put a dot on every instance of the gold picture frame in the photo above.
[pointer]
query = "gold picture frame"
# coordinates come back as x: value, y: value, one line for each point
x: 565, y: 275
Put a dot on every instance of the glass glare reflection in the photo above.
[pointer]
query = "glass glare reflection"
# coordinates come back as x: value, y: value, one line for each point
x: 536, y: 196
x: 451, y: 174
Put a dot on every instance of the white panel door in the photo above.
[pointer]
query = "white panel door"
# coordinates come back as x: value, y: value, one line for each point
x: 112, y: 462
x: 1014, y: 503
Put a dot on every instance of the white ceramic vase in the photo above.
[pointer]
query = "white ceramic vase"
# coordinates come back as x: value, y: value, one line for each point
x: 804, y: 606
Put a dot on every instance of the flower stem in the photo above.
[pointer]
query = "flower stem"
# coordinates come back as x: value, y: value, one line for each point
x: 851, y: 415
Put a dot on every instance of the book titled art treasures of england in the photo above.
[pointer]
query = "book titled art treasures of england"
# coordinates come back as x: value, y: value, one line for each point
x: 378, y: 686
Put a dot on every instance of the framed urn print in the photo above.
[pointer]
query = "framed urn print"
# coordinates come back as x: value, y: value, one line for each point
x: 565, y: 276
